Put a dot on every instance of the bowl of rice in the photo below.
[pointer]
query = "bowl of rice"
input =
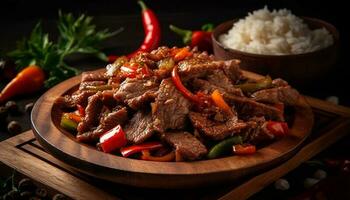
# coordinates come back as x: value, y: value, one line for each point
x: 298, y: 49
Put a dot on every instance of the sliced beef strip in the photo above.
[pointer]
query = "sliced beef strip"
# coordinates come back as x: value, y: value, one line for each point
x: 83, y: 85
x: 278, y: 82
x: 139, y: 128
x: 92, y: 113
x: 94, y: 76
x: 65, y: 102
x: 207, y: 87
x: 170, y: 108
x: 197, y: 67
x: 136, y: 92
x: 112, y: 119
x: 216, y: 130
x: 284, y: 94
x: 108, y: 99
x: 186, y: 145
x: 248, y: 108
x: 81, y: 97
x: 219, y: 79
x: 202, y: 55
x: 232, y: 70
x: 256, y: 133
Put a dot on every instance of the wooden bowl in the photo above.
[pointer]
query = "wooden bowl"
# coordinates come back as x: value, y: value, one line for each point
x: 298, y: 69
x: 45, y: 119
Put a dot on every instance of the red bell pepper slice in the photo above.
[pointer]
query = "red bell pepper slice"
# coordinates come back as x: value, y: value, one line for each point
x: 75, y: 117
x: 244, y: 149
x: 81, y: 110
x: 277, y: 128
x: 113, y: 139
x: 127, y: 151
x: 178, y: 84
x: 146, y: 155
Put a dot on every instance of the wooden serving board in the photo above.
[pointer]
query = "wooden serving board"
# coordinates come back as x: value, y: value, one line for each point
x: 62, y: 144
x: 25, y: 154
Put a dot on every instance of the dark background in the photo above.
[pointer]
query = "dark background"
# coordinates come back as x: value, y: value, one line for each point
x: 17, y: 18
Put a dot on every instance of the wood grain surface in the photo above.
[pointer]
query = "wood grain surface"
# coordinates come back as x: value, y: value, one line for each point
x: 24, y: 153
x: 151, y: 174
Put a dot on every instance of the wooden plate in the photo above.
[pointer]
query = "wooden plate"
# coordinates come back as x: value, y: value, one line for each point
x: 86, y: 159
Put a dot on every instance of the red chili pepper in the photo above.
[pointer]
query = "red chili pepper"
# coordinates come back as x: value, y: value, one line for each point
x: 127, y: 151
x: 81, y: 110
x: 277, y: 128
x: 113, y: 139
x: 146, y: 155
x: 152, y: 32
x: 199, y: 38
x: 244, y: 149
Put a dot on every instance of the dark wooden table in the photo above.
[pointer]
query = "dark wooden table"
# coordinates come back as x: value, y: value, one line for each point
x: 17, y: 19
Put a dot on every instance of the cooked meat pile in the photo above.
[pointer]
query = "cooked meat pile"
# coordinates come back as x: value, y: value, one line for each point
x: 143, y: 95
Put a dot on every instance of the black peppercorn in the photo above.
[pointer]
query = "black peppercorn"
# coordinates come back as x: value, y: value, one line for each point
x: 12, y: 107
x: 59, y: 197
x: 26, y: 184
x: 14, y: 127
x: 28, y: 107
x: 3, y: 114
x: 41, y: 192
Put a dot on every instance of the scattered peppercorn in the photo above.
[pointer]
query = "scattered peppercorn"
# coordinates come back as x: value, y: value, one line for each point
x: 28, y: 107
x: 59, y: 197
x: 26, y: 194
x: 13, y: 194
x: 41, y: 192
x: 3, y: 114
x: 282, y: 184
x: 320, y: 174
x: 14, y: 127
x: 309, y: 182
x: 26, y: 184
x: 12, y: 107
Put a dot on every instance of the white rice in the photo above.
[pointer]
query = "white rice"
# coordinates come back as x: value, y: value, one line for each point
x: 275, y: 33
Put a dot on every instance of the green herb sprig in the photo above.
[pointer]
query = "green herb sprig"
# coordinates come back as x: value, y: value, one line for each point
x: 76, y: 35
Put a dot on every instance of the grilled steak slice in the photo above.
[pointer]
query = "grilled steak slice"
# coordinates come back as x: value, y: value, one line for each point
x: 92, y: 113
x: 216, y: 130
x: 84, y: 85
x: 186, y: 145
x: 256, y: 133
x: 139, y: 128
x: 93, y: 76
x: 65, y: 102
x: 209, y: 87
x: 196, y: 67
x: 170, y: 108
x: 108, y: 122
x: 232, y: 70
x: 79, y: 97
x: 248, y: 108
x: 285, y: 94
x: 136, y: 92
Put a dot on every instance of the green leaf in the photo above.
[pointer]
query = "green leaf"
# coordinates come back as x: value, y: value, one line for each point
x: 76, y: 35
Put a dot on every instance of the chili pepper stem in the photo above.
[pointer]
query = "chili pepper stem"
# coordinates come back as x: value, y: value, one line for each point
x: 186, y: 34
x: 143, y: 5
